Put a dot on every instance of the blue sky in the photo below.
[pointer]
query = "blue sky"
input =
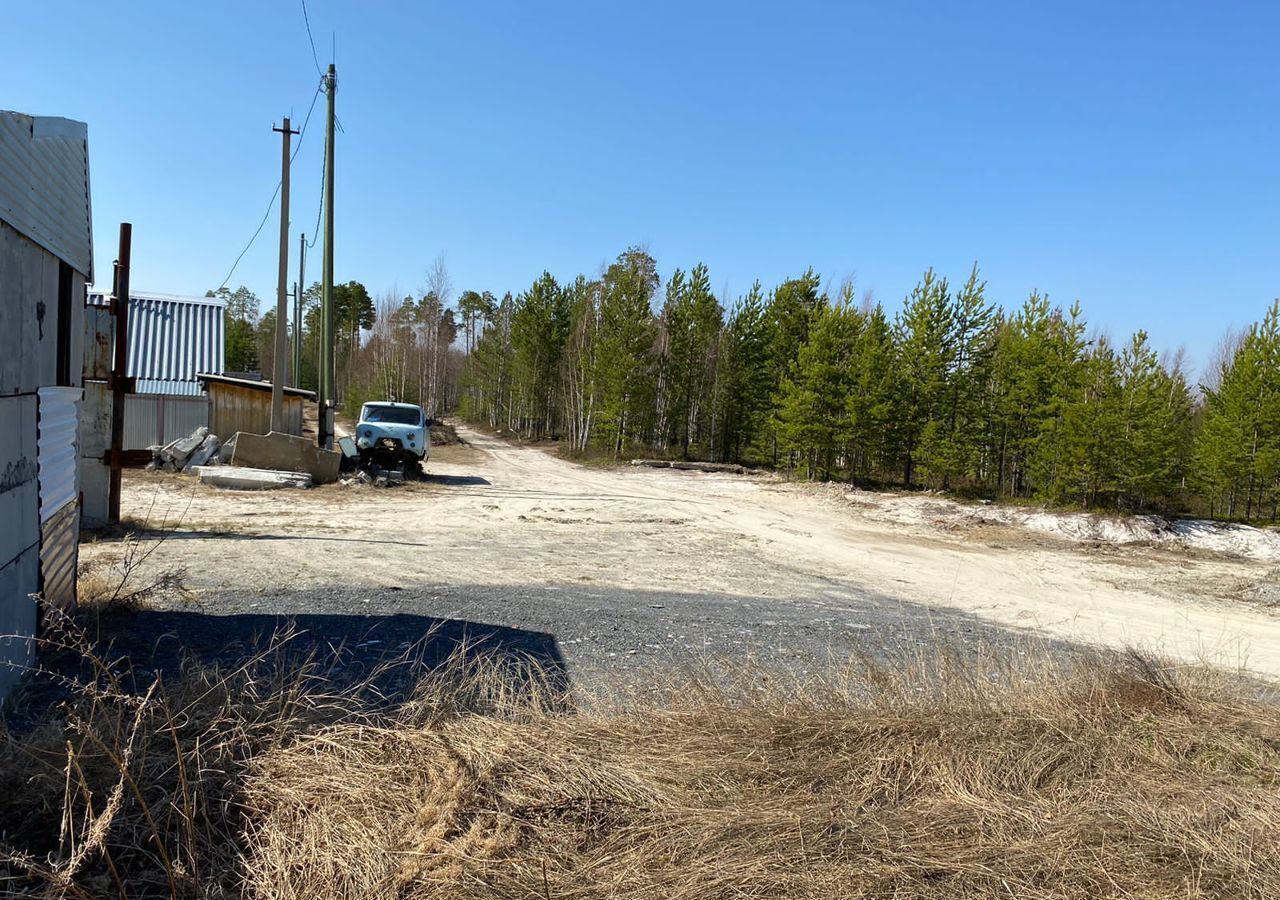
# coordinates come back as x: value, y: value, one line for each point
x: 1126, y: 155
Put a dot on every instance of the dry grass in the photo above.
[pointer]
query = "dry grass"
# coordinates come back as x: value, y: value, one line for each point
x: 1086, y: 778
x: 120, y: 579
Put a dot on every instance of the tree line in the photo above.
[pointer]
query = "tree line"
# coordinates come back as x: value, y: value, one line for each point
x: 949, y: 391
x: 400, y: 348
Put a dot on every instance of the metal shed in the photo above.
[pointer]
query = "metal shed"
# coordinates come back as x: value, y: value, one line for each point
x: 172, y: 340
x: 46, y: 255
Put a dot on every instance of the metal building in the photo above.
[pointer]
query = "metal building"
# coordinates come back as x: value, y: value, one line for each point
x: 46, y: 258
x: 172, y: 339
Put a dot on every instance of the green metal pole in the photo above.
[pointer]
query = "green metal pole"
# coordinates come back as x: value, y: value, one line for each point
x: 327, y: 377
x: 297, y: 310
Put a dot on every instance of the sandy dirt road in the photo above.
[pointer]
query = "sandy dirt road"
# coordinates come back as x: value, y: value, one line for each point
x: 613, y: 565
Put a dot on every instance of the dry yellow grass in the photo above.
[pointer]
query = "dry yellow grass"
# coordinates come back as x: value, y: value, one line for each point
x: 1080, y: 778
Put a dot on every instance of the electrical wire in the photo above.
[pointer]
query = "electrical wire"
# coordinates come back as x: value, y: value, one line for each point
x: 324, y: 161
x: 302, y: 133
x: 315, y: 58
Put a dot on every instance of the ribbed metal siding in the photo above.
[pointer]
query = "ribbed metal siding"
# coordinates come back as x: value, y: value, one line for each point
x: 58, y: 461
x: 59, y: 550
x: 171, y: 340
x: 44, y: 185
x: 56, y: 451
x: 158, y: 419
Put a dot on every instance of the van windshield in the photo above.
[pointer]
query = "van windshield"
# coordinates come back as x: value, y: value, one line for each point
x: 392, y: 415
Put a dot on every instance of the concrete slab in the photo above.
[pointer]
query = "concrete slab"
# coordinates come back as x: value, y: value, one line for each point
x: 285, y: 452
x: 206, y: 451
x: 240, y: 478
x: 180, y: 450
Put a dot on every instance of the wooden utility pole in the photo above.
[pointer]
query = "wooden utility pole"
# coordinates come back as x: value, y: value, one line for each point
x: 297, y: 310
x: 324, y: 435
x: 119, y: 380
x: 280, y: 363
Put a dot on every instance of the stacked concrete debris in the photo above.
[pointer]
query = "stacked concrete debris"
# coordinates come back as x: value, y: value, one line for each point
x: 200, y: 448
x: 374, y: 477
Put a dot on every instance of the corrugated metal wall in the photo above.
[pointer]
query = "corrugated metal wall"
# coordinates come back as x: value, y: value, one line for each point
x: 59, y: 553
x: 58, y: 455
x: 59, y: 418
x: 233, y: 409
x: 172, y: 339
x: 160, y: 418
x: 19, y: 535
x: 44, y: 185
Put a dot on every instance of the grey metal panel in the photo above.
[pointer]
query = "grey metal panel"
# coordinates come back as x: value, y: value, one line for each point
x: 19, y: 479
x: 169, y: 386
x: 57, y: 452
x: 95, y: 420
x: 19, y: 580
x: 99, y: 330
x: 28, y: 314
x: 44, y: 185
x: 158, y: 419
x: 94, y: 489
x: 59, y: 549
x: 172, y: 339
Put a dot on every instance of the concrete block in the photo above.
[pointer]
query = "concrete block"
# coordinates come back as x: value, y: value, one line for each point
x: 180, y: 450
x: 207, y: 450
x: 95, y: 480
x: 227, y: 450
x: 286, y: 452
x: 240, y: 478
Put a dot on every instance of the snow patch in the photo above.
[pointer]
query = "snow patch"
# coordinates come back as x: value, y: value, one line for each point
x: 1196, y: 534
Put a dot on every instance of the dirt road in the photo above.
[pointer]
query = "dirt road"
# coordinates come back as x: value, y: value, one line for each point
x: 613, y: 566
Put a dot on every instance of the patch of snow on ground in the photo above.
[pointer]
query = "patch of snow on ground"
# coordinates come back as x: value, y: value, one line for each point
x: 1197, y: 534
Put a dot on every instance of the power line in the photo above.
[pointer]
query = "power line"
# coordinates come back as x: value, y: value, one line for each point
x: 324, y: 160
x: 274, y: 194
x: 306, y: 120
x: 257, y: 231
x: 314, y: 57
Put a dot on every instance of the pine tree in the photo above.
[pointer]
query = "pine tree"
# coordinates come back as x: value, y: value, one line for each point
x: 745, y: 368
x: 812, y: 410
x: 1035, y: 369
x: 1085, y: 432
x: 873, y: 396
x: 924, y: 332
x: 956, y: 448
x: 788, y: 315
x: 1238, y: 449
x: 1154, y: 420
x: 692, y: 318
x: 625, y: 348
x: 539, y: 328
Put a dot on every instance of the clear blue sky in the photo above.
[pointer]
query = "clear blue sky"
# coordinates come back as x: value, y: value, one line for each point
x: 1123, y: 154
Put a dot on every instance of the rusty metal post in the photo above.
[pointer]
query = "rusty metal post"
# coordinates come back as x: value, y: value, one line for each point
x: 119, y: 378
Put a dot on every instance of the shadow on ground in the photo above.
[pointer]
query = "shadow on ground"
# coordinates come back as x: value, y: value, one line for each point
x: 455, y: 480
x: 385, y: 655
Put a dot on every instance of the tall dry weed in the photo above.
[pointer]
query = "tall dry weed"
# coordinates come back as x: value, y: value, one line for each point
x: 1054, y: 778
